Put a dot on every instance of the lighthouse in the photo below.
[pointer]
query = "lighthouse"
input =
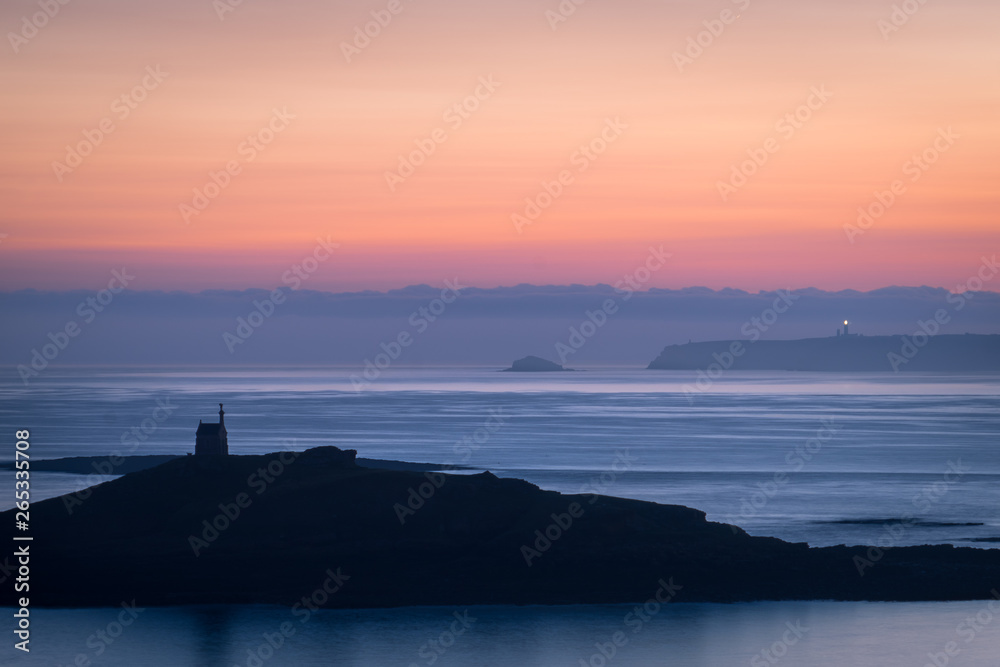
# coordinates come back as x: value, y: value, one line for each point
x: 846, y: 331
x: 212, y: 439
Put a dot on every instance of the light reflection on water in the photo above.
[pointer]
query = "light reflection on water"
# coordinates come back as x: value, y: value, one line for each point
x: 828, y: 634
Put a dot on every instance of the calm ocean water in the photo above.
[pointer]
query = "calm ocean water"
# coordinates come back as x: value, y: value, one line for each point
x: 819, y: 458
x: 799, y: 634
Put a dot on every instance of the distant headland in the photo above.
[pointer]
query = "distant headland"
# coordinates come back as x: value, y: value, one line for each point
x: 847, y: 352
x: 315, y: 528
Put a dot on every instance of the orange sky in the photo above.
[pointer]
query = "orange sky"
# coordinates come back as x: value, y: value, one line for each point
x: 657, y: 183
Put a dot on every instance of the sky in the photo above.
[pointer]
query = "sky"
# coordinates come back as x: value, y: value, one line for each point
x: 741, y: 138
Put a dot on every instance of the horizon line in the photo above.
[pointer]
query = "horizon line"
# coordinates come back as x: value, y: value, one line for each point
x: 566, y: 286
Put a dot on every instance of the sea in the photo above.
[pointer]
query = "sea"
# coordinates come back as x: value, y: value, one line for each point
x: 821, y: 458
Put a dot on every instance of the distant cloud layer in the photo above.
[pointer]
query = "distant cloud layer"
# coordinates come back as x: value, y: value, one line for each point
x: 441, y: 326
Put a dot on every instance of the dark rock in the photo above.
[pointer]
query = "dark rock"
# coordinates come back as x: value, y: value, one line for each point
x: 269, y: 529
x: 535, y: 365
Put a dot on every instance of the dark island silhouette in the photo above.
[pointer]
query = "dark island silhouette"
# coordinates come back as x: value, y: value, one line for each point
x: 532, y: 364
x: 848, y: 353
x: 277, y: 527
x: 122, y: 465
x: 209, y: 440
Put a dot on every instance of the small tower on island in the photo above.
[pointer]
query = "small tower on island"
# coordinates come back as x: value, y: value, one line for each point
x: 212, y: 439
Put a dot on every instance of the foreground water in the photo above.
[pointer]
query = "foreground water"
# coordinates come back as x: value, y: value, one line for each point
x: 816, y: 634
